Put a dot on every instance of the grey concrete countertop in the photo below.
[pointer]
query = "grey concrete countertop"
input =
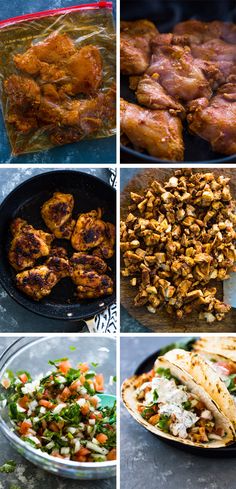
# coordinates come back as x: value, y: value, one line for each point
x: 28, y: 476
x: 127, y: 322
x: 13, y: 317
x: 146, y: 461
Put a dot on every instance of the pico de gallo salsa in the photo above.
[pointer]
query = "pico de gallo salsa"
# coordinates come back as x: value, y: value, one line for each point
x: 60, y: 413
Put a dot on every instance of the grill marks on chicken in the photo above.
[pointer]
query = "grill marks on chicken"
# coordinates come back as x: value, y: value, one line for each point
x: 135, y: 46
x: 157, y: 131
x: 28, y: 245
x: 90, y: 235
x: 189, y: 73
x: 57, y: 214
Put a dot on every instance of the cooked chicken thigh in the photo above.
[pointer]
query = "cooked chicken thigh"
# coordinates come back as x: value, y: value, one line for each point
x: 89, y: 231
x: 57, y: 214
x: 82, y: 261
x: 215, y: 119
x: 156, y: 131
x: 28, y: 244
x: 107, y: 247
x: 91, y: 285
x: 135, y: 50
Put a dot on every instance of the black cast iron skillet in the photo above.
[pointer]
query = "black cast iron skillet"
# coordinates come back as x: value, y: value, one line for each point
x: 146, y: 365
x: 166, y: 14
x: 25, y: 201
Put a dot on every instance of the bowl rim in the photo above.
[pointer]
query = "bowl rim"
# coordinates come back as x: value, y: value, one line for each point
x: 39, y: 455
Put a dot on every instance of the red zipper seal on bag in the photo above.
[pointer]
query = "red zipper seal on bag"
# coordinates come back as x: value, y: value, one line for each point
x: 49, y: 13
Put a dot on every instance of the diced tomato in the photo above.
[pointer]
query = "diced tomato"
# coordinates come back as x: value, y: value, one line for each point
x: 92, y: 416
x: 65, y: 366
x: 23, y: 378
x: 75, y: 385
x: 85, y: 409
x: 226, y: 367
x: 82, y: 379
x: 94, y: 402
x: 154, y: 419
x: 46, y: 404
x: 66, y: 393
x: 99, y: 383
x: 112, y: 454
x: 83, y: 451
x: 6, y: 383
x: 24, y: 427
x: 141, y: 408
x: 23, y: 402
x: 102, y: 438
x: 83, y: 367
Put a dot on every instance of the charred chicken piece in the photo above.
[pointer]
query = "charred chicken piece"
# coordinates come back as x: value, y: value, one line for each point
x: 106, y: 249
x: 151, y: 94
x: 28, y: 244
x: 82, y: 261
x: 199, y: 32
x: 177, y: 71
x: 91, y: 285
x: 37, y: 282
x: 215, y: 119
x: 135, y: 50
x: 88, y: 231
x: 57, y: 214
x: 156, y: 131
x: 59, y: 263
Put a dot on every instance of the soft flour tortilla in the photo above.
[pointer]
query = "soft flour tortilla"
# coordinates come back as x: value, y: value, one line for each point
x: 131, y: 403
x: 219, y: 345
x: 205, y: 376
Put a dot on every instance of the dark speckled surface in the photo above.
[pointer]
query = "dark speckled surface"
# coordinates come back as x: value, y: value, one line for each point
x: 13, y: 317
x: 146, y: 461
x: 94, y: 151
x: 27, y: 476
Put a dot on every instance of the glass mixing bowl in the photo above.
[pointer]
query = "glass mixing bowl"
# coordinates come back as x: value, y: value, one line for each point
x: 32, y: 354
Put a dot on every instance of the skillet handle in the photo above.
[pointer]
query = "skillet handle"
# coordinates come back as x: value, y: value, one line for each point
x: 91, y: 325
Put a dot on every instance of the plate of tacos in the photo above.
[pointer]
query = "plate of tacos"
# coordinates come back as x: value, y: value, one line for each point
x: 186, y: 394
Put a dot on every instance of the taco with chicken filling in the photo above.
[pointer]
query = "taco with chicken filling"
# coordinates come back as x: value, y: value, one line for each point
x: 168, y: 402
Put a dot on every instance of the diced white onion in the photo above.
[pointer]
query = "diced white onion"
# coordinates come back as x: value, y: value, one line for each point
x: 77, y: 445
x: 65, y: 451
x: 92, y: 422
x: 59, y: 408
x: 72, y: 430
x: 96, y: 448
x: 81, y: 402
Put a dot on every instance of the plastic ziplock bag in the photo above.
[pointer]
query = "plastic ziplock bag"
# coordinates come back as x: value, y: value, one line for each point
x: 57, y: 76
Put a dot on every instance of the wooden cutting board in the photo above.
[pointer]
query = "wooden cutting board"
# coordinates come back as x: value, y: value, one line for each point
x: 163, y: 322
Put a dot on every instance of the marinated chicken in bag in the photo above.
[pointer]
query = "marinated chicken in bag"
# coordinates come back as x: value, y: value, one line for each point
x: 57, y: 73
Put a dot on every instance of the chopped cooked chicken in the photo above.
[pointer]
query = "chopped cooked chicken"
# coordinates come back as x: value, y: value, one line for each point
x: 82, y: 261
x: 22, y: 92
x: 199, y: 32
x: 106, y: 248
x: 89, y: 231
x: 151, y: 94
x: 28, y: 244
x: 177, y: 71
x: 57, y: 214
x: 156, y: 131
x: 91, y: 285
x: 135, y: 50
x: 215, y: 119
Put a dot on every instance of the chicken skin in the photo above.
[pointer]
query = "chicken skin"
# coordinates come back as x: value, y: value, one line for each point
x: 135, y: 49
x: 106, y: 248
x: 151, y: 94
x: 178, y: 72
x: 156, y: 131
x: 57, y: 215
x: 88, y: 231
x: 215, y: 119
x: 28, y: 245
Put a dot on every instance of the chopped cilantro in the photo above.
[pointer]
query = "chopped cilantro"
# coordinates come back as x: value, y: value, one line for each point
x: 187, y: 405
x: 163, y: 423
x: 72, y: 348
x: 8, y: 467
x: 155, y: 395
x: 94, y: 364
x: 164, y: 372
